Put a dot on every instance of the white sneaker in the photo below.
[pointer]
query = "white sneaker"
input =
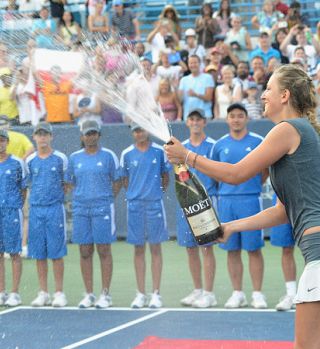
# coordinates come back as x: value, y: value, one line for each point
x: 59, y: 300
x: 41, y: 300
x: 140, y: 301
x: 191, y: 298
x: 237, y: 300
x: 3, y: 298
x: 104, y: 301
x: 285, y: 303
x: 88, y: 301
x: 258, y: 301
x: 7, y: 255
x: 13, y: 300
x: 155, y: 301
x: 206, y: 300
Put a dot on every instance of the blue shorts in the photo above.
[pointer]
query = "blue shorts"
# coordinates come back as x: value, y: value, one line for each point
x: 47, y: 232
x: 94, y: 225
x: 146, y: 222
x: 237, y: 207
x: 11, y: 222
x: 282, y: 236
x: 185, y: 237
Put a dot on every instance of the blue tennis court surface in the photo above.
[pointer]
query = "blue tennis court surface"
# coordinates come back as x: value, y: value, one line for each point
x: 122, y: 328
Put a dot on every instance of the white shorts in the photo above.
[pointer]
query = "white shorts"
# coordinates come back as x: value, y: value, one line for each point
x: 309, y: 284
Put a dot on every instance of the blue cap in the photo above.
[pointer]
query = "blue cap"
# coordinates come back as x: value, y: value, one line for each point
x: 135, y: 127
x: 198, y: 112
x: 43, y: 126
x: 237, y: 106
x: 89, y: 126
x: 117, y: 2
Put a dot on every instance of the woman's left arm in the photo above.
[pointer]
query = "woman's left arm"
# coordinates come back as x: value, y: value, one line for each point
x: 268, y: 218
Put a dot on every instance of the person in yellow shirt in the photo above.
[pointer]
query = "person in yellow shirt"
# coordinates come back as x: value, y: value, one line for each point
x: 8, y: 104
x: 20, y: 146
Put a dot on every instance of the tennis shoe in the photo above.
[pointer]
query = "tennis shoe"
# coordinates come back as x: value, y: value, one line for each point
x: 285, y: 303
x: 237, y: 300
x: 88, y: 301
x: 41, y: 300
x: 206, y: 300
x: 155, y: 301
x: 140, y: 301
x: 259, y: 301
x: 3, y: 298
x: 13, y: 300
x: 104, y: 301
x: 191, y: 298
x: 59, y: 300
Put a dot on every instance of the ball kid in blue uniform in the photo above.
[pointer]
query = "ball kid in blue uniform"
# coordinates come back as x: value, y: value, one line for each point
x: 144, y: 170
x: 202, y: 296
x: 47, y: 220
x: 239, y: 201
x: 94, y: 176
x: 12, y: 194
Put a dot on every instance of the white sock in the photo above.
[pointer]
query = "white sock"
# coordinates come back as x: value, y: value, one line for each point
x: 207, y: 292
x: 291, y: 287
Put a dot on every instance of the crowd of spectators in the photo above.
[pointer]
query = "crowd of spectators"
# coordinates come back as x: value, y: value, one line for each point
x: 209, y: 66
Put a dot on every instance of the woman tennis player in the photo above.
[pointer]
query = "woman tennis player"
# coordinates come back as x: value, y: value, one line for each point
x: 292, y: 150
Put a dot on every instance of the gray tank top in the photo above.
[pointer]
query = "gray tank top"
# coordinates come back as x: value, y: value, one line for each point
x: 296, y: 180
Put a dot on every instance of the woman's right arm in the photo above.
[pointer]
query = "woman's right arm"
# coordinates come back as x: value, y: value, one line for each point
x: 281, y: 140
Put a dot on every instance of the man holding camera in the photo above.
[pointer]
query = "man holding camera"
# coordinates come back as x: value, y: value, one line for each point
x: 302, y: 34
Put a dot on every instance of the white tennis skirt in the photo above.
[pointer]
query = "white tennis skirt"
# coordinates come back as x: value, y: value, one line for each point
x: 309, y: 284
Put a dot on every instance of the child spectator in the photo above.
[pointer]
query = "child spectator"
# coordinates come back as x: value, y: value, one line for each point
x: 252, y: 102
x: 169, y: 101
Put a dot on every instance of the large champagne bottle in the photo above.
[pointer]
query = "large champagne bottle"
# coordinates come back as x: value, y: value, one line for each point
x: 197, y: 206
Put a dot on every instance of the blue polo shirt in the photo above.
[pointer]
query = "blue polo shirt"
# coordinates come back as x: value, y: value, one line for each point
x: 144, y: 170
x: 46, y: 178
x: 12, y: 181
x: 230, y: 150
x: 205, y: 149
x: 92, y: 176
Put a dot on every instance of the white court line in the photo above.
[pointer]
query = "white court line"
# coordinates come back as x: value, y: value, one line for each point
x: 9, y: 310
x: 115, y: 329
x: 269, y: 310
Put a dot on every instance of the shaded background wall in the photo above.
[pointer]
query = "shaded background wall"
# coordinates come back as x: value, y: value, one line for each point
x: 118, y: 136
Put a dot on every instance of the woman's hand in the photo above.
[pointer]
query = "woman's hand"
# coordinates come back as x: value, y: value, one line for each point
x: 175, y: 151
x: 227, y: 232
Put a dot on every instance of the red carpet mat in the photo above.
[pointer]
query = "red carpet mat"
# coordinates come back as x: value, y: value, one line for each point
x: 163, y: 343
